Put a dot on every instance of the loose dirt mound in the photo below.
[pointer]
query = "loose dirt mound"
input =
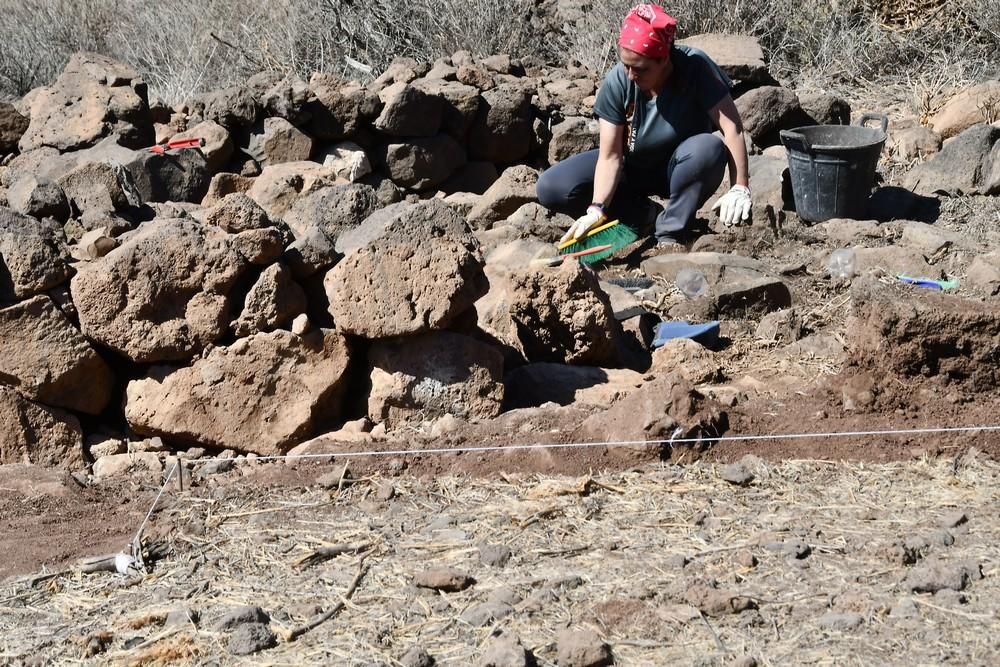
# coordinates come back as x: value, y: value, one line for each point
x: 925, y: 335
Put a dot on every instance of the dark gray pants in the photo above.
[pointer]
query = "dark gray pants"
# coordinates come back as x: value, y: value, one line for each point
x: 687, y: 179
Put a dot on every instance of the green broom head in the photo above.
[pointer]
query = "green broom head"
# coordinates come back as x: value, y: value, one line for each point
x: 615, y: 234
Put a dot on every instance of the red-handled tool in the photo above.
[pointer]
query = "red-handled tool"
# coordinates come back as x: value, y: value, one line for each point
x: 196, y: 142
x: 556, y: 261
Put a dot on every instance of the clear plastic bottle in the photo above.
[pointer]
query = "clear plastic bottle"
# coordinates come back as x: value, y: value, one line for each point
x: 841, y: 264
x: 691, y: 283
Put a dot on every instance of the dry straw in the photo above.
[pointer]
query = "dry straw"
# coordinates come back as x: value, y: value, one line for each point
x: 604, y: 554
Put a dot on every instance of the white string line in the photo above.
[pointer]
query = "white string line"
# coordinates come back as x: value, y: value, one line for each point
x: 609, y: 443
x: 570, y: 445
x: 142, y: 526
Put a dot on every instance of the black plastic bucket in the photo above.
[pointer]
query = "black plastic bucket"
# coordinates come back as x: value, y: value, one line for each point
x: 833, y: 167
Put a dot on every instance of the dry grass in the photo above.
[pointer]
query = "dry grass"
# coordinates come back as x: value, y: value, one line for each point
x: 188, y: 46
x: 609, y: 562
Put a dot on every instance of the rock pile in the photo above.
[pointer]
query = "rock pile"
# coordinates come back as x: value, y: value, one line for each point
x: 335, y: 250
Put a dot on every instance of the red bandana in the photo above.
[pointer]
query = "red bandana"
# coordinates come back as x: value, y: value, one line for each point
x: 648, y: 30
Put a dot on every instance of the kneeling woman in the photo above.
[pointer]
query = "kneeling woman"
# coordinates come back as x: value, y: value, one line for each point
x: 657, y: 110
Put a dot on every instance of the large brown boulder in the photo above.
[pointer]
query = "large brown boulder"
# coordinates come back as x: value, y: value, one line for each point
x: 437, y: 373
x: 38, y: 198
x: 969, y: 164
x: 557, y: 315
x: 12, y: 127
x: 288, y: 98
x: 424, y: 162
x: 261, y: 394
x: 459, y: 104
x: 333, y: 209
x: 32, y: 433
x: 49, y: 361
x: 280, y: 185
x: 33, y: 256
x: 218, y: 146
x: 664, y: 409
x: 419, y: 272
x: 163, y: 294
x: 409, y: 112
x: 279, y: 141
x: 514, y: 188
x: 739, y: 56
x: 825, y: 109
x: 768, y: 109
x: 93, y: 97
x: 567, y: 92
x: 225, y: 183
x: 96, y: 188
x: 502, y: 131
x: 340, y: 108
x: 973, y: 105
x: 237, y: 213
x: 984, y: 273
x: 235, y: 108
x: 273, y: 301
x: 573, y: 135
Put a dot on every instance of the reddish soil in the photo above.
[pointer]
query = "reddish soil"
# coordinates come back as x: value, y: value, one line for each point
x: 47, y: 523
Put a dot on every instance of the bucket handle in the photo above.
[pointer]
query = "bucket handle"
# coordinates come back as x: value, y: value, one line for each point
x: 792, y: 135
x: 880, y: 117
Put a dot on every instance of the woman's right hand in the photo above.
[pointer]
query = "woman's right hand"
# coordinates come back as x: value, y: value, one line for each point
x: 592, y: 218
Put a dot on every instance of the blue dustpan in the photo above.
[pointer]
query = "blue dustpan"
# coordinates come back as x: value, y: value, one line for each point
x: 706, y: 333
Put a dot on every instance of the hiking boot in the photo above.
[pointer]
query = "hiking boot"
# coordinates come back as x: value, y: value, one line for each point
x: 668, y: 245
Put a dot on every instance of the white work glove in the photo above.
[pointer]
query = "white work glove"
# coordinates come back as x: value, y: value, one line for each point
x: 592, y: 218
x: 734, y: 206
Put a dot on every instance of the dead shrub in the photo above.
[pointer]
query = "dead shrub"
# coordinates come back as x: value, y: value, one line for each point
x: 187, y: 46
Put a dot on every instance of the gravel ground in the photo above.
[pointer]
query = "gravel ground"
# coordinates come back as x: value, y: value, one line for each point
x: 705, y: 564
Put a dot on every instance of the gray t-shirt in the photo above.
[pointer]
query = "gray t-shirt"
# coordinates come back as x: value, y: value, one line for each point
x: 657, y: 125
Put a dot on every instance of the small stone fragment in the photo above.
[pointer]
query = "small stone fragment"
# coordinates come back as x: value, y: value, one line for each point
x: 746, y: 558
x: 486, y: 613
x: 677, y: 562
x: 794, y: 548
x: 242, y: 616
x: 506, y: 651
x: 581, y: 649
x: 386, y: 491
x: 445, y: 579
x: 181, y: 617
x: 301, y: 325
x: 250, y: 638
x: 416, y: 657
x: 494, y: 555
x: 216, y: 467
x: 933, y: 577
x: 736, y: 473
x: 941, y: 538
x: 304, y: 610
x: 905, y: 608
x: 949, y: 598
x: 717, y: 602
x: 841, y: 622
